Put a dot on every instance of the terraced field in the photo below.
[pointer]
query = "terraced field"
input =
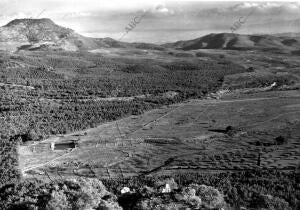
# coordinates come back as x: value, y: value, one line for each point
x: 186, y: 137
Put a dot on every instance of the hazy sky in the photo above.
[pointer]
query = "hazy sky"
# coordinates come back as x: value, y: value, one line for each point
x: 162, y: 21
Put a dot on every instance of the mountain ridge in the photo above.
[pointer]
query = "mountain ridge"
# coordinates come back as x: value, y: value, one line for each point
x: 32, y: 34
x: 29, y: 21
x: 230, y: 41
x: 37, y: 34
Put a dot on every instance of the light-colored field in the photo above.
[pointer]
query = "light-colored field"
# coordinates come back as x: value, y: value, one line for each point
x: 181, y: 137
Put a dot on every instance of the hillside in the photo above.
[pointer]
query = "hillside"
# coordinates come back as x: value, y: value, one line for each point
x: 38, y: 34
x: 291, y: 34
x: 231, y: 41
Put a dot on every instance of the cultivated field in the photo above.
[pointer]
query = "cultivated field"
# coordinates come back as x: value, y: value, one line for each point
x: 186, y: 137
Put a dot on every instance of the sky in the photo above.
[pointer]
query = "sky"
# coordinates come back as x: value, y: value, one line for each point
x: 158, y: 21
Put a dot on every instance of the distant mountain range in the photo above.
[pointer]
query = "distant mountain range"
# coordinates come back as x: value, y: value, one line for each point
x: 272, y: 26
x: 231, y: 41
x: 36, y: 34
x: 292, y: 35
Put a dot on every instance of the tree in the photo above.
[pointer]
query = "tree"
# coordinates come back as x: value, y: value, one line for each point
x: 30, y: 135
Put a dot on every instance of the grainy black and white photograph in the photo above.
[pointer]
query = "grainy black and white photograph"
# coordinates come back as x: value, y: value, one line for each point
x: 149, y: 105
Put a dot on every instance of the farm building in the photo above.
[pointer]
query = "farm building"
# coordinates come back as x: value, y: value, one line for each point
x: 70, y: 144
x: 54, y: 145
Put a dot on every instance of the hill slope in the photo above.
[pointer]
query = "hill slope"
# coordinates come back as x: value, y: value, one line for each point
x: 34, y: 34
x: 238, y: 42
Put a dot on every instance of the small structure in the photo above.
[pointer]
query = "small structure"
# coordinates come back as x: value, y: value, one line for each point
x: 70, y: 144
x: 125, y: 190
x: 52, y: 145
x: 166, y: 189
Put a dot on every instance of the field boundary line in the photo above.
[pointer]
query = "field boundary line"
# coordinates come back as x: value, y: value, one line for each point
x: 48, y: 162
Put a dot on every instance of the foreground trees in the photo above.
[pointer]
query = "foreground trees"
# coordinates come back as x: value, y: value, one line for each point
x: 250, y: 189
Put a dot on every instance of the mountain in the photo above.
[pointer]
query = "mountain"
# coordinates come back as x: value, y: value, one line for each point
x: 271, y: 26
x: 232, y: 41
x: 35, y: 34
x: 290, y: 34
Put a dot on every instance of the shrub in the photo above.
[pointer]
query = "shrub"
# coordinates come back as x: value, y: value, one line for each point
x: 211, y: 197
x: 58, y: 200
x: 30, y: 135
x: 280, y: 140
x: 188, y: 195
x: 269, y: 202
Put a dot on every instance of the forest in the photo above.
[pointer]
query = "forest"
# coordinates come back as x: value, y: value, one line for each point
x: 54, y: 94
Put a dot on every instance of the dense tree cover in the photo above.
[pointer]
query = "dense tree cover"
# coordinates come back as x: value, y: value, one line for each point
x: 254, y: 189
x: 34, y: 120
x: 56, y: 94
x: 240, y: 188
x: 78, y: 194
x: 9, y: 172
x: 74, y: 76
